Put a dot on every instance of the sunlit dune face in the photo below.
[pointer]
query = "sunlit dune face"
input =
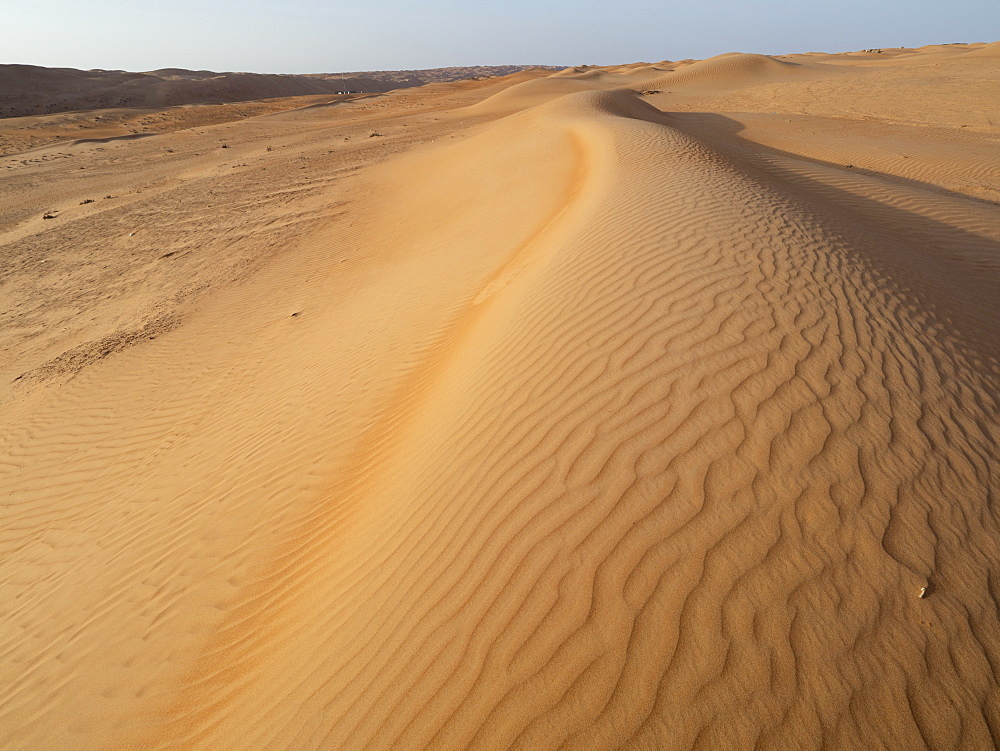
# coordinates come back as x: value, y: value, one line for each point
x: 650, y: 406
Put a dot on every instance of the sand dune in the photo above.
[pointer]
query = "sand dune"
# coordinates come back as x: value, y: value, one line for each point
x: 575, y: 410
x: 987, y: 50
x: 734, y: 70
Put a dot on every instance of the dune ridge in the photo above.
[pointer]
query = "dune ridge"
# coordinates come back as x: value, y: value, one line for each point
x: 526, y: 514
x: 581, y: 417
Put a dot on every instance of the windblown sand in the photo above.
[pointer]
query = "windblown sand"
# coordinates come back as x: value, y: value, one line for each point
x: 650, y: 407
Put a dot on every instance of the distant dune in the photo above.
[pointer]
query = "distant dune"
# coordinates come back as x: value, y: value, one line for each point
x: 654, y: 406
x: 33, y: 90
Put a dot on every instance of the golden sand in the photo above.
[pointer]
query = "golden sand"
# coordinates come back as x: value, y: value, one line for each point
x: 652, y: 406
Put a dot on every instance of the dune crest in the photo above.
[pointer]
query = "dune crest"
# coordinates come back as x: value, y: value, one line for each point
x: 736, y: 70
x: 991, y: 50
x: 586, y: 415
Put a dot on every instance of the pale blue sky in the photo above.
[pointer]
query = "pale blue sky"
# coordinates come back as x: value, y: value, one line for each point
x: 314, y: 36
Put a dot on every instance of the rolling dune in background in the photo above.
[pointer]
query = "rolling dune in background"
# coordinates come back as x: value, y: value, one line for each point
x: 34, y: 90
x: 649, y: 407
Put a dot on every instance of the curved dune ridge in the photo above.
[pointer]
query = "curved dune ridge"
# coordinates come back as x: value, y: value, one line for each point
x: 735, y: 67
x: 987, y: 50
x: 590, y: 423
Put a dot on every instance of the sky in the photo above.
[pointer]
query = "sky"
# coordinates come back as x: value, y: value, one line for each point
x: 326, y: 36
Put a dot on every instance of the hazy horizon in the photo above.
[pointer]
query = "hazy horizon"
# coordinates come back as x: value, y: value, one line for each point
x: 307, y: 36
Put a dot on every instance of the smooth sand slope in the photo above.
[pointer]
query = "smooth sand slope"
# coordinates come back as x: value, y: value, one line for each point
x: 643, y: 407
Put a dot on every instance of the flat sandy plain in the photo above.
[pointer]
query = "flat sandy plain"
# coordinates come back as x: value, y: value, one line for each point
x: 652, y: 406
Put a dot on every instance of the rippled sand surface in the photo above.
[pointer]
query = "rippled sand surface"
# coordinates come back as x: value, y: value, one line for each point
x: 652, y: 406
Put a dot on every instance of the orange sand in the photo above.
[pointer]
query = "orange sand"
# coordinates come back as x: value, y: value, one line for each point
x: 631, y: 407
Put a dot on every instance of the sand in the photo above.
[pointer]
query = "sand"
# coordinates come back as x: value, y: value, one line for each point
x: 652, y: 406
x: 33, y: 90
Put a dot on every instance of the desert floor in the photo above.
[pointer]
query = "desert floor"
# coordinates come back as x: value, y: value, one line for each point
x: 653, y: 406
